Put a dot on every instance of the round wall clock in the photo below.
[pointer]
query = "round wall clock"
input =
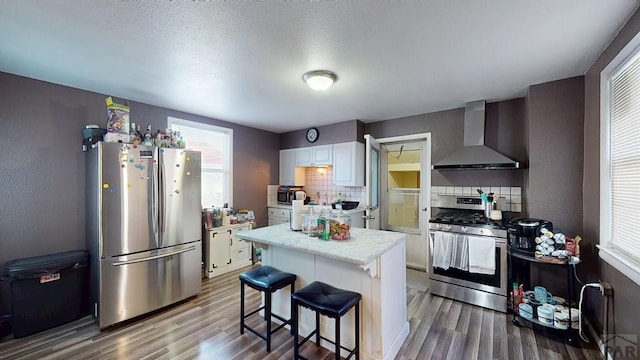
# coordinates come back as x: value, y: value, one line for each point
x: 312, y: 134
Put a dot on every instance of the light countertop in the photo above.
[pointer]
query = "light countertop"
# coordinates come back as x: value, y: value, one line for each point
x: 363, y: 247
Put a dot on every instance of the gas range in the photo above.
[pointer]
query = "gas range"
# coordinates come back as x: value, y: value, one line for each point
x: 465, y: 214
x: 461, y: 215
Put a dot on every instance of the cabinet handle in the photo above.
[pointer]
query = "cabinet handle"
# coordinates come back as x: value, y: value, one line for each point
x: 229, y: 262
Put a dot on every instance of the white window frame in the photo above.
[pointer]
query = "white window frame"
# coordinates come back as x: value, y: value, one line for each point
x: 227, y: 170
x: 626, y: 264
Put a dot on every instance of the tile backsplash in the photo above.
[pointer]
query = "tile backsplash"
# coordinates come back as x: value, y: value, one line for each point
x: 318, y: 180
x: 272, y: 195
x: 512, y: 196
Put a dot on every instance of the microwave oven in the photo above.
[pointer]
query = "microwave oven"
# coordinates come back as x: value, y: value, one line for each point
x: 287, y: 194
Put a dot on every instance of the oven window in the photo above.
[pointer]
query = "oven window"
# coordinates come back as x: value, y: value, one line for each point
x: 491, y: 280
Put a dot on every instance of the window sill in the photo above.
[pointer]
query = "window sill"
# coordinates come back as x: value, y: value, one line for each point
x: 621, y: 262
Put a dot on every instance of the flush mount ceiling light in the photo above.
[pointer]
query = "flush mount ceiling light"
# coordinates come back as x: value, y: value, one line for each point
x: 319, y: 80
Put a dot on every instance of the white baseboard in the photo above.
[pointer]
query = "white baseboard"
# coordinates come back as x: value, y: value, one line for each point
x: 598, y: 339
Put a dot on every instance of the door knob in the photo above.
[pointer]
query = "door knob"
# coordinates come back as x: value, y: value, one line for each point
x: 424, y: 209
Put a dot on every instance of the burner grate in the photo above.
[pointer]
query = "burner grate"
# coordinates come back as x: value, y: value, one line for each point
x: 464, y: 218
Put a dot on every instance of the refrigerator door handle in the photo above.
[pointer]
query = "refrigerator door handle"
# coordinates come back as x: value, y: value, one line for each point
x: 162, y: 197
x: 127, y: 262
x: 154, y: 204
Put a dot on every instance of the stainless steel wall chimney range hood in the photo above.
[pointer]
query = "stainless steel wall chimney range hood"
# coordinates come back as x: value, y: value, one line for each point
x: 474, y: 154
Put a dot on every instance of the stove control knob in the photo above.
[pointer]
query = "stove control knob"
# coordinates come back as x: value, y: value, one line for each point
x: 438, y: 226
x: 464, y: 229
x: 447, y: 227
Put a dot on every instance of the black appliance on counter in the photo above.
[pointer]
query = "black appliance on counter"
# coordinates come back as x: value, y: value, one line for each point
x: 286, y: 194
x: 522, y: 233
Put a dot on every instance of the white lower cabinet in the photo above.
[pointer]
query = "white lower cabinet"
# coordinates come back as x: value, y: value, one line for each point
x: 224, y: 252
x: 278, y: 216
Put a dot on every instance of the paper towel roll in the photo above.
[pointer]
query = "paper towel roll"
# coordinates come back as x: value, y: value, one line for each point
x: 296, y: 214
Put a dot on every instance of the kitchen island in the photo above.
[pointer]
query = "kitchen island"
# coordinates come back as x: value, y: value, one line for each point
x: 371, y: 262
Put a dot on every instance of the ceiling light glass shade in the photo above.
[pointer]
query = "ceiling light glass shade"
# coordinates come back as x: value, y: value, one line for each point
x: 319, y: 80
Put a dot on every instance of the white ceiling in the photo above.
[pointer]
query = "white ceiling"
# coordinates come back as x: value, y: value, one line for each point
x: 242, y: 61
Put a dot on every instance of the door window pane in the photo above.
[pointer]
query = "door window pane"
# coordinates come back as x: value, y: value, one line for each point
x: 375, y: 171
x: 402, y: 211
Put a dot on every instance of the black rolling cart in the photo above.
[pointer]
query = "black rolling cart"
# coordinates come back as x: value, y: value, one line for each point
x: 519, y: 265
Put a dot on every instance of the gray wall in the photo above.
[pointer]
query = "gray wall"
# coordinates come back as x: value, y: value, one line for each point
x: 554, y: 185
x: 42, y: 167
x: 626, y: 292
x: 504, y: 132
x: 329, y: 134
x: 555, y: 113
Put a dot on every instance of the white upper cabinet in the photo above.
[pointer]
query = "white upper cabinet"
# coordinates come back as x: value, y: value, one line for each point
x: 314, y: 155
x: 290, y: 175
x: 348, y: 164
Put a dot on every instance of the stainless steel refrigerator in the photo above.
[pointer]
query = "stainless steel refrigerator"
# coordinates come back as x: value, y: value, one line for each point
x: 143, y: 228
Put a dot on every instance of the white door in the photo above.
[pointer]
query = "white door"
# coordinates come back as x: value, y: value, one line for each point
x: 404, y: 203
x: 372, y: 182
x: 402, y: 189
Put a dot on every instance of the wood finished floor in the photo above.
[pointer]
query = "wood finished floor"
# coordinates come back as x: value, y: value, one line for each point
x: 207, y: 327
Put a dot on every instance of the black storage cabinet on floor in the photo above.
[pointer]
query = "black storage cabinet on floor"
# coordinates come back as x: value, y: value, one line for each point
x: 47, y: 291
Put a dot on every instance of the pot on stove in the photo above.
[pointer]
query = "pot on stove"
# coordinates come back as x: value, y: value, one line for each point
x: 522, y: 233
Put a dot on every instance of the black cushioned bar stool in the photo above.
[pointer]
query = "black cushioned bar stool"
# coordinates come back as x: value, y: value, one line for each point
x: 266, y: 279
x: 329, y: 301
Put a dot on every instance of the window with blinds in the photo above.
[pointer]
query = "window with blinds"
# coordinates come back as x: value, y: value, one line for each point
x: 624, y: 163
x: 620, y: 163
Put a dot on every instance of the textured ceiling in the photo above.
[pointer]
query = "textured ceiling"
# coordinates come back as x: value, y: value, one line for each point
x: 242, y: 61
